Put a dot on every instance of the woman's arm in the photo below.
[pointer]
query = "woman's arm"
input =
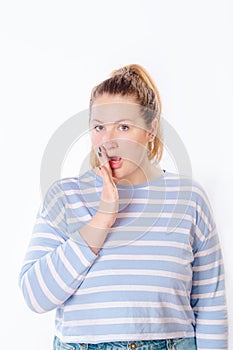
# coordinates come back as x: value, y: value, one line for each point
x: 55, y: 264
x: 208, y: 287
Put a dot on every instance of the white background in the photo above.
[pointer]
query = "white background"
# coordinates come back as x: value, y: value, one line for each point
x: 52, y: 54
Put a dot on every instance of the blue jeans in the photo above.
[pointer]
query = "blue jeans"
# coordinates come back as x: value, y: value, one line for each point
x: 163, y: 344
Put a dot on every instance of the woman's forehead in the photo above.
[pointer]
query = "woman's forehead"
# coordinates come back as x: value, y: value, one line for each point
x: 115, y: 112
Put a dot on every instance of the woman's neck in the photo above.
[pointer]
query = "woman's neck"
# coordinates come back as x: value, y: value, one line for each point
x: 142, y: 175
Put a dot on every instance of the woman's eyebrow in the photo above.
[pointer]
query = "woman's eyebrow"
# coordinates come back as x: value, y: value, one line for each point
x: 121, y: 120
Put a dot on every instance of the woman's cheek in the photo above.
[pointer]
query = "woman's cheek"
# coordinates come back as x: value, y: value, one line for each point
x: 95, y: 140
x: 134, y: 151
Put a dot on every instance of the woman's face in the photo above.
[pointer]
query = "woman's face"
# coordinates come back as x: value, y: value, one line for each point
x: 116, y: 124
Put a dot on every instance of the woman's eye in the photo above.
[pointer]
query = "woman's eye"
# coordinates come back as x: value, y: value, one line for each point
x: 97, y: 126
x: 125, y: 126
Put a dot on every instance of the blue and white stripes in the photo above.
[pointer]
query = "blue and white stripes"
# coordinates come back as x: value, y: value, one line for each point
x: 158, y: 275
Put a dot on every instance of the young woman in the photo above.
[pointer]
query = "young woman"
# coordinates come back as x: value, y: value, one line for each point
x: 128, y: 254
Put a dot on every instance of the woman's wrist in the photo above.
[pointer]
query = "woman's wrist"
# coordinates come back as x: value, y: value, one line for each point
x: 101, y: 220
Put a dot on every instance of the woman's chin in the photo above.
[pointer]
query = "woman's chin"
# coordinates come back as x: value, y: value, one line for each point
x: 123, y: 173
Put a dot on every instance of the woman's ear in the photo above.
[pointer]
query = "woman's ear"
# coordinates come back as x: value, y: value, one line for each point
x: 153, y: 132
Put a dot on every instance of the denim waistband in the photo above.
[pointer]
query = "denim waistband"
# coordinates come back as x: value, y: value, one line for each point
x: 162, y: 344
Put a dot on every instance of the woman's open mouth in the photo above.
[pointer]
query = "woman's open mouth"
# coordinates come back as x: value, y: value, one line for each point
x: 115, y: 162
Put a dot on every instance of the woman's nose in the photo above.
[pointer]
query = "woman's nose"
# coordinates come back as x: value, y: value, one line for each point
x: 109, y: 135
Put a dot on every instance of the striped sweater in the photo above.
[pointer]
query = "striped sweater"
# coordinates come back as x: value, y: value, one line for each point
x: 159, y: 274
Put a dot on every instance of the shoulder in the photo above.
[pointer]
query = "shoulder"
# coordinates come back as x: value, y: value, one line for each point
x: 188, y: 181
x: 72, y: 182
x: 186, y: 184
x: 59, y: 188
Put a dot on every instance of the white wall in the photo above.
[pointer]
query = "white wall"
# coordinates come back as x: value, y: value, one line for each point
x: 53, y: 53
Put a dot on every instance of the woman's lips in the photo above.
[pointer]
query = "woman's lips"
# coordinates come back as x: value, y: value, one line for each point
x: 114, y: 158
x: 115, y: 162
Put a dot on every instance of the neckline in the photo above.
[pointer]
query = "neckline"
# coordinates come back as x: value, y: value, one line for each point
x: 145, y: 184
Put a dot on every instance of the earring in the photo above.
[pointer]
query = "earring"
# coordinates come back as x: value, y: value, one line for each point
x: 153, y: 137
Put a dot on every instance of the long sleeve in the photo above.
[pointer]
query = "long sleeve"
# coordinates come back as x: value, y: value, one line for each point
x: 208, y: 287
x: 55, y: 265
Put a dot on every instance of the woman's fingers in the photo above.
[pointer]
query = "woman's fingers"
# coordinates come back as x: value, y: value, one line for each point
x: 106, y: 174
x: 104, y: 161
x: 108, y: 178
x: 109, y: 203
x: 109, y: 198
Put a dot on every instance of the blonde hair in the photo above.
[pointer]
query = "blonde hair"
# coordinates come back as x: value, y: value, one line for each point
x: 134, y: 81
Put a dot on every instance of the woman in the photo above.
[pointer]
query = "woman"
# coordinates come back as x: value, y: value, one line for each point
x: 128, y: 254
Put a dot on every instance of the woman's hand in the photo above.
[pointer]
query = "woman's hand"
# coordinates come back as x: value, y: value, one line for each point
x: 109, y: 204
